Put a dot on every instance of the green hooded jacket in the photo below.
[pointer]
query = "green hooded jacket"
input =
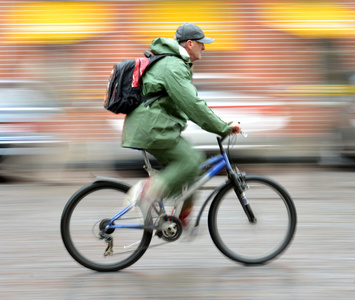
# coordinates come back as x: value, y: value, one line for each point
x: 160, y: 124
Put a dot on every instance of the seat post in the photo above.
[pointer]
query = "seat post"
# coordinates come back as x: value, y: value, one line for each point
x: 147, y: 165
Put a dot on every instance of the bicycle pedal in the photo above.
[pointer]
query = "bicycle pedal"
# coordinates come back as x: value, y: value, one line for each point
x: 190, y: 233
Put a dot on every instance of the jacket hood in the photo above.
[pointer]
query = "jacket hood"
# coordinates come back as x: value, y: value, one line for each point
x: 164, y: 45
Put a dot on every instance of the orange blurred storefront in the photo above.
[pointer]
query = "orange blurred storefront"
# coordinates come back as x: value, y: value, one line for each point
x: 271, y: 51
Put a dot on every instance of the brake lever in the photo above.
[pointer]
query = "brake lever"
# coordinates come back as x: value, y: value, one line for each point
x: 243, y: 133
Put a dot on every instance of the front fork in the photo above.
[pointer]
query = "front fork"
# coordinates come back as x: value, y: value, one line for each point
x: 239, y: 186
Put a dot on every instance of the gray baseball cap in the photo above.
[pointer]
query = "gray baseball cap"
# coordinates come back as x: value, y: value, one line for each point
x: 192, y: 32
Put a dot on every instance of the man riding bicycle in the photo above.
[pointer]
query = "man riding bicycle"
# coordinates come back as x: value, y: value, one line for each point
x: 157, y: 127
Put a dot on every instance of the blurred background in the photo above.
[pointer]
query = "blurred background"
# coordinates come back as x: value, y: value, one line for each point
x: 285, y: 70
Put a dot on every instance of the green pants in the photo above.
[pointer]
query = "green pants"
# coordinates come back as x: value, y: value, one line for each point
x: 181, y: 166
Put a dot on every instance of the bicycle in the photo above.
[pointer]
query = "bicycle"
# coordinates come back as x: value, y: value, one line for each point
x: 256, y: 234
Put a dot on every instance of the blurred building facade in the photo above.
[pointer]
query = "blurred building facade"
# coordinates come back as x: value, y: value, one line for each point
x: 288, y: 62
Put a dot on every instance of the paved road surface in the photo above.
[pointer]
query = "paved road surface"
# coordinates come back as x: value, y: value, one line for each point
x: 320, y: 264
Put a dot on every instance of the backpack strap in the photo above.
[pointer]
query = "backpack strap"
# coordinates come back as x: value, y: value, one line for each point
x: 155, y: 96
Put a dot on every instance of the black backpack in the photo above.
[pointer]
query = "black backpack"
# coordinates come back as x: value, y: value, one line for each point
x: 123, y: 92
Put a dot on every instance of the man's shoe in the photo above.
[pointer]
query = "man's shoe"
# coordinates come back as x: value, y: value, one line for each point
x: 138, y: 195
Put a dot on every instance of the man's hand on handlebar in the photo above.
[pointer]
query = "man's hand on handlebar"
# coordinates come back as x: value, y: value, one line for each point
x: 236, y: 129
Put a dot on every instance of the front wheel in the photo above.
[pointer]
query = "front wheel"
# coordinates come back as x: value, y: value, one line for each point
x: 83, y: 224
x: 253, y: 242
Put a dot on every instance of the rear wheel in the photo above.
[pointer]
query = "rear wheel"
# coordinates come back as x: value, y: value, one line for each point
x: 248, y: 242
x: 83, y: 224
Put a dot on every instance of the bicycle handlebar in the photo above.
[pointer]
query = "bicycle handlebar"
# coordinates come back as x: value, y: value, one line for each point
x: 243, y: 133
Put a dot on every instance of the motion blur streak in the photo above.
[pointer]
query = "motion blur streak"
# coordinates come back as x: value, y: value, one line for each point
x: 284, y: 69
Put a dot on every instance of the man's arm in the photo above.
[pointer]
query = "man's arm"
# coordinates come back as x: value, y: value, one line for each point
x: 181, y: 90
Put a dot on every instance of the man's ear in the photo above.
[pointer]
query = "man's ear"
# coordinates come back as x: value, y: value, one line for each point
x: 189, y: 44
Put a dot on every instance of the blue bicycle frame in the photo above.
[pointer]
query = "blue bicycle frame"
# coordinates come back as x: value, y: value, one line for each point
x: 214, y: 165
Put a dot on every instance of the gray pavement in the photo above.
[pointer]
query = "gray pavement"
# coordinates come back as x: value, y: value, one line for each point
x: 319, y: 264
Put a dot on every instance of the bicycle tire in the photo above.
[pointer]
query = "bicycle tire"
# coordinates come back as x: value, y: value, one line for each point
x: 253, y: 243
x: 84, y: 211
